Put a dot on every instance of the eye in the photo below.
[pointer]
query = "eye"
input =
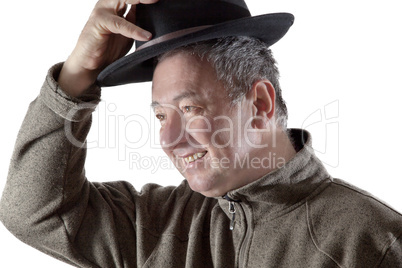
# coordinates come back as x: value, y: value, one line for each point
x: 160, y: 117
x: 189, y: 109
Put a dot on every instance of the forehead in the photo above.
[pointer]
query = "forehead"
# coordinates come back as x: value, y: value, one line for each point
x: 183, y: 75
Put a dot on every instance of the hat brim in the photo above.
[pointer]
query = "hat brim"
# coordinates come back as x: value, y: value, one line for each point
x: 138, y: 66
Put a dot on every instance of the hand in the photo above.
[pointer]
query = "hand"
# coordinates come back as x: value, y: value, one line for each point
x: 106, y: 37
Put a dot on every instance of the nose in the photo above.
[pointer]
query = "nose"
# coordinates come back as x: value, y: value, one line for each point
x: 173, y: 131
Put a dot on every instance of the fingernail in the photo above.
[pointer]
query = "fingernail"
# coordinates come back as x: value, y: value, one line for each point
x: 146, y: 34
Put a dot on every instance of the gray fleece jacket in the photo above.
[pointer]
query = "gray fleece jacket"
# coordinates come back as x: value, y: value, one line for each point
x: 296, y: 216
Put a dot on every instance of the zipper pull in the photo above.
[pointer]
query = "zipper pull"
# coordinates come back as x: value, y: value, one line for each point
x: 232, y: 210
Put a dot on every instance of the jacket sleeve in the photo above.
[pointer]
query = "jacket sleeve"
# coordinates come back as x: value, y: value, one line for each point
x: 47, y: 201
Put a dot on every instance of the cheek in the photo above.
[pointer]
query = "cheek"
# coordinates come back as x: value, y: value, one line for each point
x: 200, y: 129
x: 224, y: 133
x: 228, y: 136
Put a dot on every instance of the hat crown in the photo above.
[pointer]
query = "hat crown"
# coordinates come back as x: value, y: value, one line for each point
x: 168, y: 16
x: 176, y: 23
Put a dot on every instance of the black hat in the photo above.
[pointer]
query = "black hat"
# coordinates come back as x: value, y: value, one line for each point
x: 175, y: 23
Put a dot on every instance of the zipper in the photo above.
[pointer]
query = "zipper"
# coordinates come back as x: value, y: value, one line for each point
x: 244, y: 244
x: 247, y: 237
x: 232, y: 211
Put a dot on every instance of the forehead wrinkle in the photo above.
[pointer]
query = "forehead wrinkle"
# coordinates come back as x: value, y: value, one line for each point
x: 188, y: 86
x: 188, y: 94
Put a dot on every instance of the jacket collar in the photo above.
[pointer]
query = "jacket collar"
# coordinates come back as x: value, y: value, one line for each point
x: 287, y: 186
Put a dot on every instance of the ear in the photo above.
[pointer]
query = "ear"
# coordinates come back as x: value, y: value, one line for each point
x: 263, y: 96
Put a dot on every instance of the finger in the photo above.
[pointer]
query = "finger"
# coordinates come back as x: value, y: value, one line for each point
x: 122, y: 11
x: 136, y: 2
x: 119, y: 25
x: 120, y: 3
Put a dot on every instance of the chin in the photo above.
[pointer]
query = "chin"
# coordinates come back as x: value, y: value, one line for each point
x: 206, y: 187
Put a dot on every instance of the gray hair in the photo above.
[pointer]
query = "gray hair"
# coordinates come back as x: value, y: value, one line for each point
x: 239, y: 62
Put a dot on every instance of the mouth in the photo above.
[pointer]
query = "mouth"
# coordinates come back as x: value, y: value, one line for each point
x: 194, y: 157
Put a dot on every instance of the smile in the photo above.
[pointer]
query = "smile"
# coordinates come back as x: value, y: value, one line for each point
x: 194, y: 157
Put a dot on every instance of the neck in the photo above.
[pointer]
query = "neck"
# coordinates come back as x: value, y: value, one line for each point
x: 278, y: 152
x: 283, y: 147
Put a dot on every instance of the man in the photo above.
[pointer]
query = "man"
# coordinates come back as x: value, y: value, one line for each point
x: 287, y: 214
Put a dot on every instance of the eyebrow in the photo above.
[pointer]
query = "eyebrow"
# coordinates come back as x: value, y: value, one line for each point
x: 154, y: 104
x: 184, y: 95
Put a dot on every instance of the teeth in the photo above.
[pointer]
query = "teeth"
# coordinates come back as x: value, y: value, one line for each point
x: 194, y: 157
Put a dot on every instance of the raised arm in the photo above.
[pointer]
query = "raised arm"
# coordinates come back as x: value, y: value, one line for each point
x: 47, y: 201
x: 106, y: 37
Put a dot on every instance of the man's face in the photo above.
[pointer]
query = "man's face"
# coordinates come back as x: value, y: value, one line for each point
x: 200, y: 131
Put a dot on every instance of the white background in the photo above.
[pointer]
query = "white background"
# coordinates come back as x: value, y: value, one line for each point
x: 342, y: 55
